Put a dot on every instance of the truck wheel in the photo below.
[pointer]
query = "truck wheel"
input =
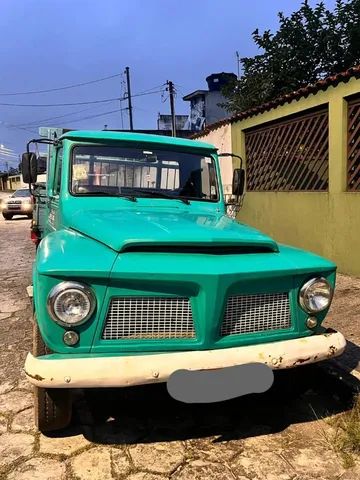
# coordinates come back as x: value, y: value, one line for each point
x: 52, y: 405
x: 7, y: 216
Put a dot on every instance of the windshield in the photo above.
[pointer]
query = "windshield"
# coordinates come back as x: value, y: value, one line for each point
x: 107, y: 170
x: 21, y: 193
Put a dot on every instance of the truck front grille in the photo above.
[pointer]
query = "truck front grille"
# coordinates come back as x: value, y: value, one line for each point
x: 149, y: 318
x: 256, y: 313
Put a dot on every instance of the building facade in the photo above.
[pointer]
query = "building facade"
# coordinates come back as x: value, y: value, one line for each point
x: 205, y: 105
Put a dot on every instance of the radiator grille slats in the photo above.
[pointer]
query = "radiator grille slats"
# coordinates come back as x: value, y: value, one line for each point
x: 149, y: 318
x: 256, y: 313
x: 171, y: 317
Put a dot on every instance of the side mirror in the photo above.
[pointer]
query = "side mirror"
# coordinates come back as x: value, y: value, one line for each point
x: 238, y: 184
x: 29, y: 167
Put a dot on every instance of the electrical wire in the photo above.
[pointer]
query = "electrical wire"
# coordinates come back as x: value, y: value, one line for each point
x: 96, y: 116
x: 3, y: 154
x: 71, y: 121
x: 33, y: 105
x: 66, y: 87
x: 21, y: 128
x: 150, y: 89
x: 35, y: 123
x: 107, y: 100
x: 179, y: 88
x: 9, y: 125
x: 142, y: 94
x: 5, y: 149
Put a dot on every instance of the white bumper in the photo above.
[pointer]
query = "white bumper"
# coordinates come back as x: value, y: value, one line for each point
x: 125, y: 371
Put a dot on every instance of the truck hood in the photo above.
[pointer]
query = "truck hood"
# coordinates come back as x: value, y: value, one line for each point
x: 140, y: 230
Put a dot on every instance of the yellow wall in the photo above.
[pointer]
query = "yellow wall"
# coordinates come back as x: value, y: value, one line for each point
x: 325, y: 223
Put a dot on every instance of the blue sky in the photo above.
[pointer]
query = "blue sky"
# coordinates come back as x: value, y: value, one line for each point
x: 51, y: 43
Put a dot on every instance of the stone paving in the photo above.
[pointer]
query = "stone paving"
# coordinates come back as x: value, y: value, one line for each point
x: 143, y: 434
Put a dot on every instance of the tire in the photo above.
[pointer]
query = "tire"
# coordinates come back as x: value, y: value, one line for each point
x: 52, y: 406
x: 7, y: 216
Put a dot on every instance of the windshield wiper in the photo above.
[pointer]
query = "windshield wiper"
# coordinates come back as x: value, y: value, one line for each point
x: 154, y: 193
x: 132, y: 198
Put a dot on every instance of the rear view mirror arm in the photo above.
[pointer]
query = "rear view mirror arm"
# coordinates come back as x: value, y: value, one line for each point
x: 232, y: 155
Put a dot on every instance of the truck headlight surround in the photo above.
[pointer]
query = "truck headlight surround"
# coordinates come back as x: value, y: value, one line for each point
x: 71, y: 303
x: 316, y: 295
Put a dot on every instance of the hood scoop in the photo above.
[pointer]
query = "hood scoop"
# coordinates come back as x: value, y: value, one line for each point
x: 200, y: 249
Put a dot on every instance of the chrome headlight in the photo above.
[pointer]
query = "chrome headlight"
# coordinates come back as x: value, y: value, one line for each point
x: 71, y: 303
x: 315, y: 295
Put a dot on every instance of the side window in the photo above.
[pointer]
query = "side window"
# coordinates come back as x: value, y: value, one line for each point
x: 58, y: 168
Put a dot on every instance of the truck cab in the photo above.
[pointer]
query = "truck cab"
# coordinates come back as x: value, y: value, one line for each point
x: 140, y: 273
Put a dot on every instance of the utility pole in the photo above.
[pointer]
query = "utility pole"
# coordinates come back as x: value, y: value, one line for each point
x: 238, y: 64
x: 129, y: 97
x: 171, y: 90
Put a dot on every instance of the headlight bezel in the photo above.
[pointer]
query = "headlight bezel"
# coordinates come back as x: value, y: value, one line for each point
x: 304, y: 289
x: 63, y: 287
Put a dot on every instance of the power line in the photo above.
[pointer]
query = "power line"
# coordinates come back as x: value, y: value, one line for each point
x: 97, y: 115
x: 66, y: 87
x: 8, y: 155
x: 179, y: 87
x: 5, y: 149
x: 73, y: 121
x: 149, y: 90
x: 106, y: 100
x: 44, y: 120
x: 7, y: 125
x: 144, y: 93
x: 58, y: 104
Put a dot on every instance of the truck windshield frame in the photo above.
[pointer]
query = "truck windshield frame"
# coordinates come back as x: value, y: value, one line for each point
x: 128, y: 171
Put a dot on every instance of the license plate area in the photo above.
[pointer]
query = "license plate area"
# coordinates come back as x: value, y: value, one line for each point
x: 217, y: 385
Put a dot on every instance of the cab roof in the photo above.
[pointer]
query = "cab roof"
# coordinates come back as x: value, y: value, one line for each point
x: 98, y: 135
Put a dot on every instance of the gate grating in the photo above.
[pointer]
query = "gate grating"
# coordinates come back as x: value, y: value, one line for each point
x: 290, y: 155
x: 353, y: 155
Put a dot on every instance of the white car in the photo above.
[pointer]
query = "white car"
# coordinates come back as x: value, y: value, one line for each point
x: 19, y: 203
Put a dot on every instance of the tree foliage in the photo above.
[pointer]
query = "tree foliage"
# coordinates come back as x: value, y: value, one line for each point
x: 310, y: 44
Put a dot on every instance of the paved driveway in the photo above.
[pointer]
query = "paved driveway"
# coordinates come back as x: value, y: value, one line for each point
x: 141, y: 433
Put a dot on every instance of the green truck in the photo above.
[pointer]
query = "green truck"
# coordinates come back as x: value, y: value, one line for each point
x: 140, y: 273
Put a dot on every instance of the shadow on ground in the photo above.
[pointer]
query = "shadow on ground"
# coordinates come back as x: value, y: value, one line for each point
x: 350, y: 359
x: 148, y: 414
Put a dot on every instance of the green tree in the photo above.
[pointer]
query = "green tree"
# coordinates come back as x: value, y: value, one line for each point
x: 310, y: 44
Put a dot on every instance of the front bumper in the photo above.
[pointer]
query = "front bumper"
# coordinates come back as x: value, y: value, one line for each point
x: 20, y: 210
x: 123, y: 371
